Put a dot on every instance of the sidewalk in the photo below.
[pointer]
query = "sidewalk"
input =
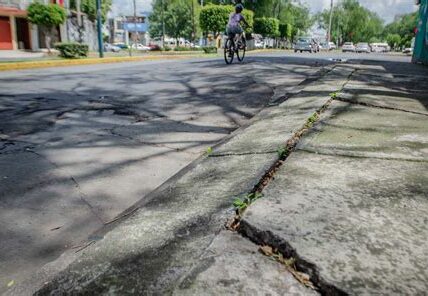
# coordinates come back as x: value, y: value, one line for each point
x: 342, y: 212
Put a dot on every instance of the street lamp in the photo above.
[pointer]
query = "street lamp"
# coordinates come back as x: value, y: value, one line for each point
x: 100, y: 37
x: 330, y: 23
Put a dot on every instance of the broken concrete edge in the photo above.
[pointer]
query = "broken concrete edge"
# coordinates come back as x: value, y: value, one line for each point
x: 261, y: 238
x: 266, y: 238
x: 49, y: 272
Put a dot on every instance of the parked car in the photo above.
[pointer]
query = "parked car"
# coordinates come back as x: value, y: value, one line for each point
x: 348, y: 47
x: 111, y: 47
x: 259, y: 44
x: 154, y: 47
x: 140, y: 47
x: 408, y: 51
x: 121, y: 45
x: 380, y: 47
x: 331, y: 46
x: 362, y: 47
x: 306, y: 44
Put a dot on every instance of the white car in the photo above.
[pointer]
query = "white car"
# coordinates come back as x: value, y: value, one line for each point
x: 332, y: 46
x: 111, y: 47
x: 141, y: 47
x: 259, y: 44
x: 348, y: 47
x: 363, y: 48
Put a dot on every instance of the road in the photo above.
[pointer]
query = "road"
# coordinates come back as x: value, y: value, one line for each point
x: 81, y: 145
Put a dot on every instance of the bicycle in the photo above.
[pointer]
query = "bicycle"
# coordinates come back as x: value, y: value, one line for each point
x: 230, y: 49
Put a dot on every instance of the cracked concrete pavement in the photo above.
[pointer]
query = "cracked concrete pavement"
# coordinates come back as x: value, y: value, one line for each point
x: 348, y: 204
x: 80, y: 145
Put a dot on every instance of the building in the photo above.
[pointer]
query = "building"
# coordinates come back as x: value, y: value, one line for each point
x: 420, y: 53
x: 126, y: 29
x: 16, y: 33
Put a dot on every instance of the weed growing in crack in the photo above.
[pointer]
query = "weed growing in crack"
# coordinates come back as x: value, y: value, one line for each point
x: 241, y: 203
x: 334, y: 95
x: 209, y: 150
x: 289, y: 263
x: 311, y: 120
x: 282, y: 152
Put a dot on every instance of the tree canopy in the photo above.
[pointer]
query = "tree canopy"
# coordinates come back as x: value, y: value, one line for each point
x: 267, y: 27
x: 214, y: 18
x: 352, y: 22
x: 50, y: 15
x: 403, y: 26
x: 89, y: 7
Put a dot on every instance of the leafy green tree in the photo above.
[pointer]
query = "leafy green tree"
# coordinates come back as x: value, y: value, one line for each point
x: 394, y: 40
x: 285, y: 31
x: 47, y: 17
x: 178, y: 20
x: 214, y: 18
x: 352, y: 22
x: 404, y: 26
x: 89, y: 7
x: 267, y: 27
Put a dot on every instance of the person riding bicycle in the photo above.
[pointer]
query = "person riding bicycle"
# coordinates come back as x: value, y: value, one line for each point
x: 234, y: 29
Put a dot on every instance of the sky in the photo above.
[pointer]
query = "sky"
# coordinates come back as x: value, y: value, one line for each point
x: 386, y: 9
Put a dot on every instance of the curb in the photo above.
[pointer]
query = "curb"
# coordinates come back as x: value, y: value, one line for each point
x: 89, y: 61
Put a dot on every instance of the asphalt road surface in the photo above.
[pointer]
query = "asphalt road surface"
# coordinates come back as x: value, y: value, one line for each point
x: 81, y: 145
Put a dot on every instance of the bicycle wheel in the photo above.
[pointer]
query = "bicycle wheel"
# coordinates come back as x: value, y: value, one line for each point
x: 240, y: 51
x: 228, y: 51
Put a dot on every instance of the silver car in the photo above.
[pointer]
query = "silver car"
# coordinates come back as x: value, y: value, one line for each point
x: 305, y: 44
x: 362, y: 47
x: 348, y: 47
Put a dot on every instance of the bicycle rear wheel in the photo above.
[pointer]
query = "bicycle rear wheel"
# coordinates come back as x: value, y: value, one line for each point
x: 240, y: 51
x: 229, y: 51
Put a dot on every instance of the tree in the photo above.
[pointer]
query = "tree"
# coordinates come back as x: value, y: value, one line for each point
x: 394, y: 41
x: 404, y: 26
x: 214, y: 18
x: 47, y: 17
x: 267, y: 27
x: 89, y: 7
x: 178, y: 20
x: 285, y: 31
x: 352, y: 22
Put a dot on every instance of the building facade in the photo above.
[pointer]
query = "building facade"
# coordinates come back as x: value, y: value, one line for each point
x: 17, y: 33
x: 126, y: 30
x: 420, y: 54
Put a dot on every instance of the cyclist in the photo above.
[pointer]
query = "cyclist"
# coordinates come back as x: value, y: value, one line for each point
x: 234, y: 29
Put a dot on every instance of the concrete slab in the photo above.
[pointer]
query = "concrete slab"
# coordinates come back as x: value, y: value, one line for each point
x: 232, y: 265
x: 151, y: 250
x: 354, y: 130
x: 41, y: 215
x: 400, y: 93
x: 362, y: 223
x: 285, y: 120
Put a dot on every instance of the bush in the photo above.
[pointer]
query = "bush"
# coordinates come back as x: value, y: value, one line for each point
x: 72, y: 50
x: 166, y: 48
x: 180, y: 48
x: 210, y: 49
x: 267, y: 27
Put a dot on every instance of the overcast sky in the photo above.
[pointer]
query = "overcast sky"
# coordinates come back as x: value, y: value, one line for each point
x: 387, y: 9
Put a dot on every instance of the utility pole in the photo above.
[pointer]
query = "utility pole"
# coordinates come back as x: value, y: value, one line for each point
x: 163, y: 24
x: 135, y: 24
x: 100, y: 36
x: 201, y: 43
x: 330, y: 23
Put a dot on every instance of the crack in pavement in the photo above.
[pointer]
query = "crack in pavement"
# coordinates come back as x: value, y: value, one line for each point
x: 351, y: 101
x: 77, y: 185
x: 324, y: 152
x: 266, y: 238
